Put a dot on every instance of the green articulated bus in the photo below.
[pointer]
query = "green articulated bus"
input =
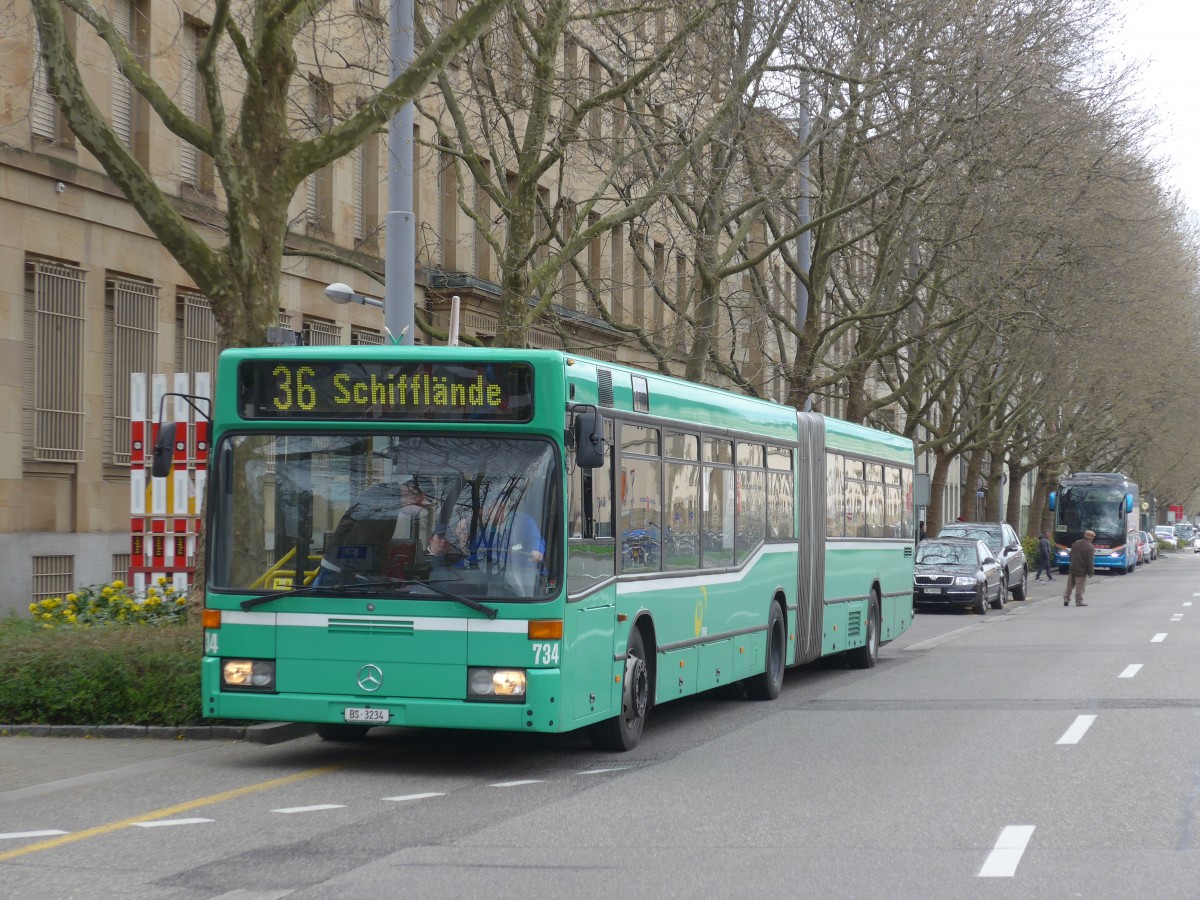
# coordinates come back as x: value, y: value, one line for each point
x: 528, y: 540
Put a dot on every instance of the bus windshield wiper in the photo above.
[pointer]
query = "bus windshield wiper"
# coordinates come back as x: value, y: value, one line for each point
x: 382, y: 587
x: 310, y: 590
x: 366, y: 590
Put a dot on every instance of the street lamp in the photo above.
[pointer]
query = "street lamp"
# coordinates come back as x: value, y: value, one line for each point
x: 342, y: 293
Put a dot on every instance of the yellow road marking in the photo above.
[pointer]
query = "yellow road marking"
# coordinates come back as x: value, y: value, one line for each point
x: 168, y: 811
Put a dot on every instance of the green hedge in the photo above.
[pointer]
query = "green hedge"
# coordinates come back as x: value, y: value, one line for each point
x: 103, y: 675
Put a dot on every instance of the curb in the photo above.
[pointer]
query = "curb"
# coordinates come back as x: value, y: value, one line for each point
x: 262, y: 733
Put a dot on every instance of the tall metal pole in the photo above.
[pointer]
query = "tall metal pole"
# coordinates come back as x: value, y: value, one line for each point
x: 400, y: 252
x: 803, y: 241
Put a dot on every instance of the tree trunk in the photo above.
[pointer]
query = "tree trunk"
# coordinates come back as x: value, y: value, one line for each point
x: 935, y: 515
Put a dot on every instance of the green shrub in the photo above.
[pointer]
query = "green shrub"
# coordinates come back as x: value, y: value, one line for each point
x: 112, y: 603
x: 1029, y: 543
x: 105, y: 674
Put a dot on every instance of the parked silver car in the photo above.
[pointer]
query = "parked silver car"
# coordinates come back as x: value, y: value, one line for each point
x: 1002, y: 540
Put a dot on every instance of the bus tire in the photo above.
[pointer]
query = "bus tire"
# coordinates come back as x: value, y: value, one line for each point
x: 867, y: 655
x: 330, y: 731
x: 767, y: 685
x: 622, y: 732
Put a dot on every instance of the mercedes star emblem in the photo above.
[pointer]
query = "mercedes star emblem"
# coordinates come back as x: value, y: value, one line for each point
x: 370, y: 678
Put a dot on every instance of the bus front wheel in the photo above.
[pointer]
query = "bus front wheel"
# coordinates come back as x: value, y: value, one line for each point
x: 622, y: 732
x: 767, y: 685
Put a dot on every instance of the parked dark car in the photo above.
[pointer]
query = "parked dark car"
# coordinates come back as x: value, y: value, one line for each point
x: 957, y: 572
x: 1002, y: 540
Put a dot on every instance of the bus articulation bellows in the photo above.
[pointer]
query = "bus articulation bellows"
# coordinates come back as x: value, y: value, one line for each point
x: 531, y: 541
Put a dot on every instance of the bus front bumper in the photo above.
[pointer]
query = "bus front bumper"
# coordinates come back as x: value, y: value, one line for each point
x: 541, y: 709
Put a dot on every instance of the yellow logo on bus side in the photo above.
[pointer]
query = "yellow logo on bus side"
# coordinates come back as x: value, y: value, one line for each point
x: 701, y: 609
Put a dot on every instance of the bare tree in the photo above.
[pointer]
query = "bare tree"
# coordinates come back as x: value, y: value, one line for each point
x: 263, y: 143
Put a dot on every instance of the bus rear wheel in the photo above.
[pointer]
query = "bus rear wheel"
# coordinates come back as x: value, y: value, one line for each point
x: 622, y: 732
x: 766, y: 686
x: 867, y: 655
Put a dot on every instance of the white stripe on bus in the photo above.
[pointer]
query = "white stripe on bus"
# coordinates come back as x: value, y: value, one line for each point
x: 419, y: 623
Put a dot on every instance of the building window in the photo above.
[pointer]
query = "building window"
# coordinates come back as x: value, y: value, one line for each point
x: 319, y: 186
x: 196, y: 168
x: 639, y: 279
x: 196, y: 335
x: 364, y: 336
x: 122, y: 90
x: 54, y: 353
x: 617, y: 274
x: 483, y: 212
x: 120, y: 567
x: 570, y: 280
x: 43, y: 112
x: 131, y: 324
x: 595, y: 85
x: 448, y: 212
x: 320, y: 332
x: 53, y: 576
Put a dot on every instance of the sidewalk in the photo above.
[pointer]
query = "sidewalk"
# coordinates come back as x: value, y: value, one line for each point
x: 37, y: 759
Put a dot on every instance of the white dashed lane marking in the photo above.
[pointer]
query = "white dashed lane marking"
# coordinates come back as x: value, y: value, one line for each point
x: 413, y: 797
x: 1077, y: 730
x: 516, y: 783
x: 1130, y: 670
x: 303, y: 809
x: 1006, y: 855
x: 163, y: 823
x: 1159, y: 638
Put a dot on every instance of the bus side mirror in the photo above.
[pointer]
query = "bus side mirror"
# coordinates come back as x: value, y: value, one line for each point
x: 589, y: 440
x: 164, y: 450
x: 1053, y: 500
x: 1129, y: 503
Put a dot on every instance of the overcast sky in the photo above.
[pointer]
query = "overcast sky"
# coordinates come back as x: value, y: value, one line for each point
x: 1166, y: 33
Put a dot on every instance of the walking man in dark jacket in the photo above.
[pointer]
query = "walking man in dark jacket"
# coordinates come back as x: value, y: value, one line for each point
x: 1045, y: 556
x: 1083, y: 566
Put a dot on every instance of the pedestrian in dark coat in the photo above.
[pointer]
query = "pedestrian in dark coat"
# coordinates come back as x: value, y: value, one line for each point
x: 1083, y: 567
x: 1045, y: 556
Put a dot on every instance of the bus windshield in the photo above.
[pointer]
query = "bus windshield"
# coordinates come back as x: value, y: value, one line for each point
x: 475, y: 515
x: 1099, y: 509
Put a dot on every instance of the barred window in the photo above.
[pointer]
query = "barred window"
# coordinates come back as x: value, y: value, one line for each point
x: 320, y: 332
x: 365, y: 336
x: 120, y: 567
x: 195, y: 335
x: 53, y: 361
x: 53, y: 576
x: 131, y: 322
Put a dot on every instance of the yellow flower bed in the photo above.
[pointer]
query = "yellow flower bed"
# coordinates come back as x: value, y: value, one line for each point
x: 160, y: 604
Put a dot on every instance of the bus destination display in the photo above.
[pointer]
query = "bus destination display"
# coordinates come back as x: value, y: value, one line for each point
x: 343, y: 390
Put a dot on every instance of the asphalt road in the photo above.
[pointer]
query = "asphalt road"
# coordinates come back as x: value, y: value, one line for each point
x: 1038, y: 751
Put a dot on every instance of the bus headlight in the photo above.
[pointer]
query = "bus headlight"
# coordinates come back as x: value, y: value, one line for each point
x: 507, y: 685
x: 248, y: 674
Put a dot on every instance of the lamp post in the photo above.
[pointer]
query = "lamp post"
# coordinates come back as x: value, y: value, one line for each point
x: 400, y: 252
